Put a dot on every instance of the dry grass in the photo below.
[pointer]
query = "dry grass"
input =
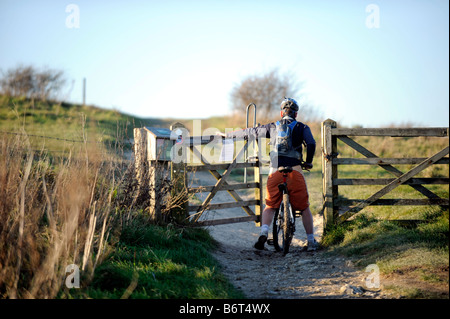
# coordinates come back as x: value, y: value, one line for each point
x: 70, y: 209
x: 54, y: 214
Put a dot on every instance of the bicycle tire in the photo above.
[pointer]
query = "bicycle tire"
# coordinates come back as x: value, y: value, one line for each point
x: 277, y: 229
x: 287, y: 226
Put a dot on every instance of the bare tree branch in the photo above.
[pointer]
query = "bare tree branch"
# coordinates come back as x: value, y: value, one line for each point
x: 267, y: 91
x: 32, y: 83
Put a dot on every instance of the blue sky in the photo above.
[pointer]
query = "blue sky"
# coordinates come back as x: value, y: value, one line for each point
x: 182, y: 58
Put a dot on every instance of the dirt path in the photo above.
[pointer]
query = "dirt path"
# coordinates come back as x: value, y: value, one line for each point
x: 267, y: 274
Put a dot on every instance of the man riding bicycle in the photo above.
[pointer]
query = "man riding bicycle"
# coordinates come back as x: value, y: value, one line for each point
x: 287, y: 137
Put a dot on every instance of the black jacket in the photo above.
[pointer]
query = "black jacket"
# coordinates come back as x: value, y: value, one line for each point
x: 301, y: 133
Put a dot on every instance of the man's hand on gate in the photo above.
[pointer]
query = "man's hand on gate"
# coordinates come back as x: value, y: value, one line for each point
x: 221, y: 134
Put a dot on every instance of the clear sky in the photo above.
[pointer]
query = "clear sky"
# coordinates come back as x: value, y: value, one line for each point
x: 372, y: 63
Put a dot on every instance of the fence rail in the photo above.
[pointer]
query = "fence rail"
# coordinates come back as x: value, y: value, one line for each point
x: 337, y: 210
x: 223, y: 185
x: 178, y: 173
x: 391, y: 132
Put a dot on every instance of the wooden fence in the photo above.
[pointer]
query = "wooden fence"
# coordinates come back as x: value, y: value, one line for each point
x: 338, y: 210
x: 153, y: 160
x: 222, y: 184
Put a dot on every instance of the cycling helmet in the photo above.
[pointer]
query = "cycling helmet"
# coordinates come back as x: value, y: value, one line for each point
x: 289, y: 103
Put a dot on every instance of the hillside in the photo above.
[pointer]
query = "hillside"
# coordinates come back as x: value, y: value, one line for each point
x: 50, y: 123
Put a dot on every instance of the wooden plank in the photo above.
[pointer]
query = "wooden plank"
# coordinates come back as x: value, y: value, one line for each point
x: 393, y: 132
x: 347, y: 203
x: 209, y: 167
x: 226, y: 187
x: 398, y: 181
x: 202, y: 140
x: 215, y: 222
x: 385, y: 181
x: 219, y: 184
x: 329, y: 172
x: 396, y: 172
x: 217, y: 176
x: 224, y: 205
x: 384, y: 161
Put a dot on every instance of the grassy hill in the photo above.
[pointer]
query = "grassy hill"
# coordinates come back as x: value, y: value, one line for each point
x: 50, y: 124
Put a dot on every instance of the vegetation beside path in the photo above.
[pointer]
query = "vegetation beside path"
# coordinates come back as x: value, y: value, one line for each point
x: 159, y: 262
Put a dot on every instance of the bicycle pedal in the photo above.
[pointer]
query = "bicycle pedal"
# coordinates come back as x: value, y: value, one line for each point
x: 270, y: 241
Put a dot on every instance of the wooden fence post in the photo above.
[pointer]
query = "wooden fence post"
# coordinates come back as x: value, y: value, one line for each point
x: 152, y: 170
x: 140, y: 155
x: 329, y: 172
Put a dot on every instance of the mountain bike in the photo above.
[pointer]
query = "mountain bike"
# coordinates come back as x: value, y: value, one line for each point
x: 284, y: 219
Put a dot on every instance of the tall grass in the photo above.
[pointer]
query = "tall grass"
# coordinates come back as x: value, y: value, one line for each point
x: 52, y: 214
x: 57, y: 211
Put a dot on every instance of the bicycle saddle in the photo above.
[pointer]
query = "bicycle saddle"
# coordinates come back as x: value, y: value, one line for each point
x: 285, y: 169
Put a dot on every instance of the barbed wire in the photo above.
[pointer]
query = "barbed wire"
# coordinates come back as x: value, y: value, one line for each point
x: 43, y: 153
x: 62, y: 139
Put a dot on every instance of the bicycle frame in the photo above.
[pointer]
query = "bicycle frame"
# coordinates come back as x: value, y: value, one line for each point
x: 284, y: 190
x: 284, y: 221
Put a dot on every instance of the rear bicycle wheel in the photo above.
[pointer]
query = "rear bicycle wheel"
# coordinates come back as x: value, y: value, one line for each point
x: 277, y: 229
x: 288, y: 224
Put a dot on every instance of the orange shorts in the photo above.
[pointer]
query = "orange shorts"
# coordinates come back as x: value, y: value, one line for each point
x: 298, y: 193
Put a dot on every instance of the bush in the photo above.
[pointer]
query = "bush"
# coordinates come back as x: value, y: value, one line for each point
x: 30, y: 82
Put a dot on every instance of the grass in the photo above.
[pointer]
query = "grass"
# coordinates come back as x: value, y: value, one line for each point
x: 164, y: 263
x: 70, y: 200
x: 414, y: 260
x: 51, y: 215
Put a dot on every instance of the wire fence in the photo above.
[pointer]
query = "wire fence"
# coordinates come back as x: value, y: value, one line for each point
x: 117, y: 142
x: 64, y: 139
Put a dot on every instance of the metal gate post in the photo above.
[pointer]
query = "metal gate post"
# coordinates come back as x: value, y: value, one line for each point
x: 253, y: 144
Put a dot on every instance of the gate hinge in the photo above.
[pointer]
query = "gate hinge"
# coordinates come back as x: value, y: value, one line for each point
x: 329, y: 157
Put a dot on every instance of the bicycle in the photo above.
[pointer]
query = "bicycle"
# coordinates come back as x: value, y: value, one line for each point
x: 284, y: 219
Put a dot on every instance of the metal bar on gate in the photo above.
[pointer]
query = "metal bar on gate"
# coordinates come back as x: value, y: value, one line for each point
x: 254, y: 125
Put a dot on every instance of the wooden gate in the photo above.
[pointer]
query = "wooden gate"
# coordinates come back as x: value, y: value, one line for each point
x: 223, y: 184
x: 154, y: 152
x: 338, y: 210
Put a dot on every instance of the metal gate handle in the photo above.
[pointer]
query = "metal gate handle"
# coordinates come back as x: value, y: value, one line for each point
x: 254, y: 125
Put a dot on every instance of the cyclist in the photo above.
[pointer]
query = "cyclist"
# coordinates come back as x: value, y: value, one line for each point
x: 287, y: 137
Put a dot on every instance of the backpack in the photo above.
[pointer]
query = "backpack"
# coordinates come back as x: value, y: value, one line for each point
x: 283, y: 142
